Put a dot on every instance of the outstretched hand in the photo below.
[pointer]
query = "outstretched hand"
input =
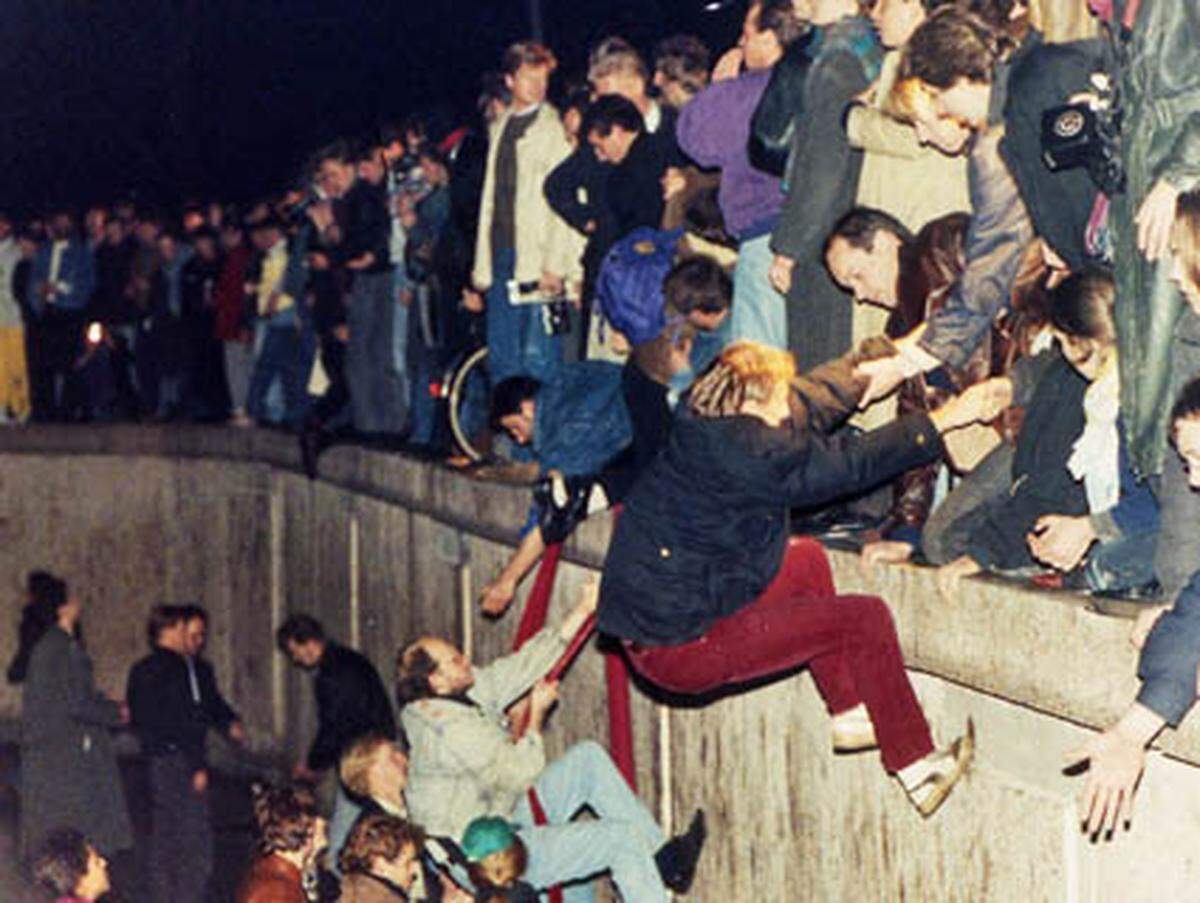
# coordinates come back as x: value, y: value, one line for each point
x: 497, y: 596
x: 1115, y: 765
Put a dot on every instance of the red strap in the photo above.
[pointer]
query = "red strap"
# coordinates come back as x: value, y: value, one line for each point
x: 537, y: 606
x: 620, y: 720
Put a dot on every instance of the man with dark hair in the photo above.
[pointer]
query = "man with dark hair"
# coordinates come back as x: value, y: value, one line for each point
x: 714, y: 130
x: 993, y: 99
x: 356, y: 233
x: 465, y: 764
x: 174, y: 701
x: 351, y: 699
x: 616, y: 131
x: 520, y: 240
x: 574, y: 423
x: 681, y: 64
x: 615, y: 68
x: 351, y: 703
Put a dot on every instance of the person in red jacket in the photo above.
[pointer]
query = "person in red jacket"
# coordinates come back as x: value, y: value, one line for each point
x: 230, y: 327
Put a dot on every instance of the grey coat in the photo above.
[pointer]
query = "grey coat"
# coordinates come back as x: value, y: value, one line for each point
x: 69, y: 772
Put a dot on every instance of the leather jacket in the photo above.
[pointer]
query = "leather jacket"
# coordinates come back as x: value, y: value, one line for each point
x: 1157, y: 71
x: 930, y: 265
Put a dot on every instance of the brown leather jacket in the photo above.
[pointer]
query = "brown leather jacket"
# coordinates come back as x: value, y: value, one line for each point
x: 272, y: 879
x: 930, y: 264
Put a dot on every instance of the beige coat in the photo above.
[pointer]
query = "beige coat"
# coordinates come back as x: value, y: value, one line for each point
x: 913, y: 183
x: 545, y: 243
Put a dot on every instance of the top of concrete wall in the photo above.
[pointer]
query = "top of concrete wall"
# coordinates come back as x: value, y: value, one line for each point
x: 1043, y: 650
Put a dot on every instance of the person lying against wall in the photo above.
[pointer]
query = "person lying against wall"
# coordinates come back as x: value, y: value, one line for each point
x: 464, y: 763
x: 703, y: 588
x: 1071, y: 500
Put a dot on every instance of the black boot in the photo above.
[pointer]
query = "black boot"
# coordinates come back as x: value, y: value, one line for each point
x: 677, y: 858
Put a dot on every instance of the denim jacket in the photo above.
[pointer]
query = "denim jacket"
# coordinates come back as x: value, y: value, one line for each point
x: 580, y: 419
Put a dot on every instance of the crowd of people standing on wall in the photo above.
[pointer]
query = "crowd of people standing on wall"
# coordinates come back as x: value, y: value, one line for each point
x: 911, y: 274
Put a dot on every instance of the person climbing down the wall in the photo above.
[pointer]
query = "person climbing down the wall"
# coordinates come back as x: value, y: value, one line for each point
x: 704, y: 589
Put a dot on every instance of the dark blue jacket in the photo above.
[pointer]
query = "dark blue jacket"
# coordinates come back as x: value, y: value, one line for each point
x: 704, y: 529
x: 1171, y: 657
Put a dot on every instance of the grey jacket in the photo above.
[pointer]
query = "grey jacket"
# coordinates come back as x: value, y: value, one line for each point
x: 462, y: 762
x: 68, y: 768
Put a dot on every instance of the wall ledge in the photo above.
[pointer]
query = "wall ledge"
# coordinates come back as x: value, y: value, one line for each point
x: 1043, y: 650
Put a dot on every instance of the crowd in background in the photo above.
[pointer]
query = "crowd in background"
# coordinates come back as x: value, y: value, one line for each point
x: 909, y: 273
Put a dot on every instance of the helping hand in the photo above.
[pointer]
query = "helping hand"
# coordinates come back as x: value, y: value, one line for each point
x: 1116, y: 765
x: 1061, y: 541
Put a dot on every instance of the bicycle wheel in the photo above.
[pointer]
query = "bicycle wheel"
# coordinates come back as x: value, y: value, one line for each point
x: 468, y: 400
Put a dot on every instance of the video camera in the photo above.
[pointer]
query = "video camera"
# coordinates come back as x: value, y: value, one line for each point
x: 1088, y: 136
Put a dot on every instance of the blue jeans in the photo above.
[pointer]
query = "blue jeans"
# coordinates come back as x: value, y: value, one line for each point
x: 282, y: 356
x: 1125, y: 563
x: 517, y: 341
x: 377, y: 395
x: 759, y: 312
x: 622, y: 839
x: 341, y: 822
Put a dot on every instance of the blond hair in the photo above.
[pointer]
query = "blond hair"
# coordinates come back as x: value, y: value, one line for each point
x: 744, y: 371
x: 356, y: 762
x: 909, y: 100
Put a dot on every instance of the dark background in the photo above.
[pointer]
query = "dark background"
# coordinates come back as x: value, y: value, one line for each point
x: 166, y: 100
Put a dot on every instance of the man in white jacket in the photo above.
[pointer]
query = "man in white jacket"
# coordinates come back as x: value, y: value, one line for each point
x: 464, y: 763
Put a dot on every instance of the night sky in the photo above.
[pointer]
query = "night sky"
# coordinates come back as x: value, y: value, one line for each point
x: 175, y: 99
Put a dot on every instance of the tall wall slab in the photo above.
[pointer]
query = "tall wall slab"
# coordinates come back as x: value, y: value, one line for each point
x: 385, y: 550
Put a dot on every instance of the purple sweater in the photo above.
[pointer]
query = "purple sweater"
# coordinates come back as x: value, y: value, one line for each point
x: 714, y: 130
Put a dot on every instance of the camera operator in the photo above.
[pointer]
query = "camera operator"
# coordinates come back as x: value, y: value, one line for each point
x: 356, y: 229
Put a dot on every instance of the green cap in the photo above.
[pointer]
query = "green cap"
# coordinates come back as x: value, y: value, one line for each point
x: 486, y: 836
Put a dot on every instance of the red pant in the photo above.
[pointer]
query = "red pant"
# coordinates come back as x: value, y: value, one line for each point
x: 848, y: 642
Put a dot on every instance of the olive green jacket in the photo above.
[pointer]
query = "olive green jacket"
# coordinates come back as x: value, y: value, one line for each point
x: 1158, y: 74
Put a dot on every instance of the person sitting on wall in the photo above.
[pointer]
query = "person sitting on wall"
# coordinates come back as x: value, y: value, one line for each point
x: 703, y: 588
x: 70, y: 868
x: 1071, y: 500
x: 465, y: 764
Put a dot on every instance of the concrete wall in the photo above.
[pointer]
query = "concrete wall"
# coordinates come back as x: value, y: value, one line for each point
x: 381, y: 550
